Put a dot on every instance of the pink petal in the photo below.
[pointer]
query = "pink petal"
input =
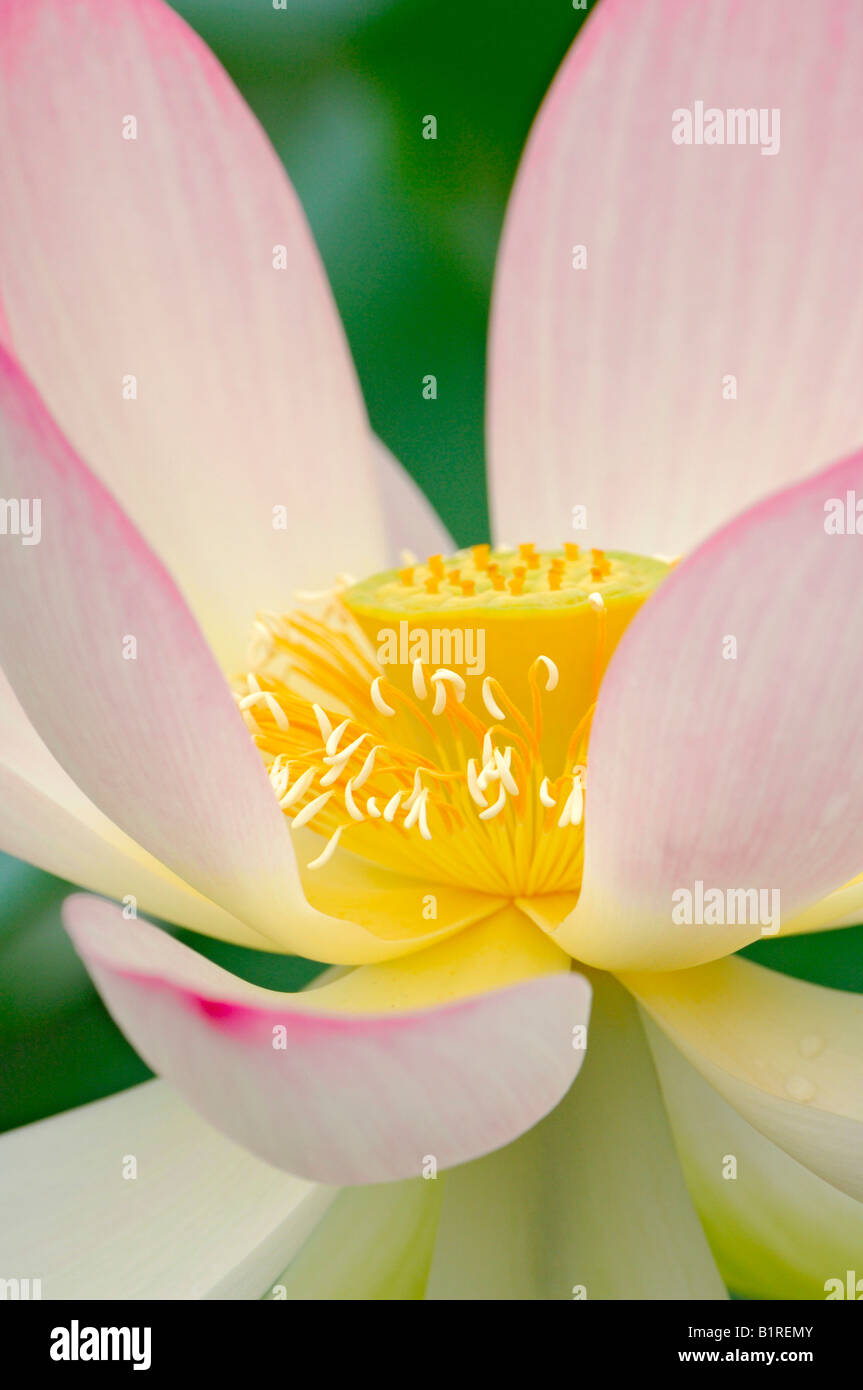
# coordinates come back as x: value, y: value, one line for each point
x: 703, y: 262
x: 741, y: 773
x: 348, y: 1097
x: 47, y: 820
x: 154, y: 258
x: 156, y: 742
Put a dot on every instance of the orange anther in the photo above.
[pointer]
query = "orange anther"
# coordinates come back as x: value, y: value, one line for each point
x: 407, y: 575
x: 554, y: 579
x: 571, y: 550
x: 435, y: 564
x: 467, y: 587
x: 480, y: 556
x: 432, y: 584
x: 498, y: 581
x: 516, y: 584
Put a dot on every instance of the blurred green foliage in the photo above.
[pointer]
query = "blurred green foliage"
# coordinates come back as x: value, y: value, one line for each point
x: 408, y: 230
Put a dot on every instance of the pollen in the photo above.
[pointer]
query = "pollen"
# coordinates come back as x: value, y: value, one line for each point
x: 436, y: 718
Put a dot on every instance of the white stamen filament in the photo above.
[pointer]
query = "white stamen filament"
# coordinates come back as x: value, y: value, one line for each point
x: 506, y: 777
x: 335, y: 772
x: 327, y: 852
x: 392, y: 806
x: 351, y: 806
x: 490, y: 702
x: 377, y: 698
x: 574, y: 807
x: 545, y: 795
x: 473, y: 784
x: 366, y: 770
x: 266, y: 697
x: 418, y: 680
x: 299, y: 789
x: 416, y: 792
x: 309, y: 812
x: 440, y: 680
x: 492, y: 811
x: 346, y: 752
x: 324, y: 724
x: 335, y: 735
x: 415, y: 811
x: 553, y: 674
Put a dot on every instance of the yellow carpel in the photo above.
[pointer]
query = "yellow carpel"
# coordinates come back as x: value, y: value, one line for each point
x: 514, y: 612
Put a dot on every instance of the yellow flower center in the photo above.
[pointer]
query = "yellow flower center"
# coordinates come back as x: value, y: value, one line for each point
x: 435, y: 719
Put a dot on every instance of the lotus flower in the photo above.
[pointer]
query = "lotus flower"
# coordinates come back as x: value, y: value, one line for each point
x: 675, y: 345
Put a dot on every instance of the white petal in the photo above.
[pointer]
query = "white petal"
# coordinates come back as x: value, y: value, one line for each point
x: 202, y: 1218
x: 593, y: 1196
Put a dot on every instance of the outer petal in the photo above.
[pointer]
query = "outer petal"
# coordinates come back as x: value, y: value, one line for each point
x: 155, y: 741
x: 777, y: 1231
x: 786, y: 1054
x: 317, y: 1083
x: 45, y: 819
x: 593, y: 1196
x: 844, y: 908
x: 200, y: 1218
x: 742, y: 773
x: 709, y: 350
x: 374, y: 1243
x: 159, y: 258
x: 410, y: 520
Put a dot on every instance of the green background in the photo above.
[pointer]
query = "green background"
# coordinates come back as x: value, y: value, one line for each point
x: 408, y: 230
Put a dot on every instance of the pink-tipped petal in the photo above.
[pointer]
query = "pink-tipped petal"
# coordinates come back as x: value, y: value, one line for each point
x: 727, y: 747
x: 319, y: 1084
x: 709, y: 348
x: 164, y: 293
x: 117, y: 678
x: 410, y: 520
